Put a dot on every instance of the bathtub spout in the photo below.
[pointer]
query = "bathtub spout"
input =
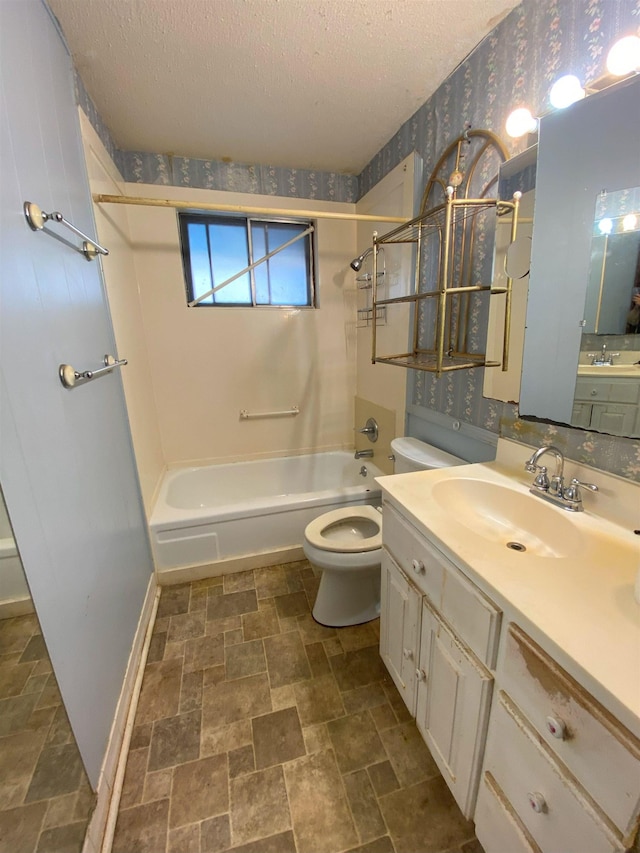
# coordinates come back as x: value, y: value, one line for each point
x: 363, y: 454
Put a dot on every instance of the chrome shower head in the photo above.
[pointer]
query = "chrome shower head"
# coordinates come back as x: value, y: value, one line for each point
x: 356, y: 263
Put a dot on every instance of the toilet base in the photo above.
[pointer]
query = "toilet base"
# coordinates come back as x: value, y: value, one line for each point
x: 345, y: 598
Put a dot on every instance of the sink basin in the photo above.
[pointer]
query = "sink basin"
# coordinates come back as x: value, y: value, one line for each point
x: 519, y: 520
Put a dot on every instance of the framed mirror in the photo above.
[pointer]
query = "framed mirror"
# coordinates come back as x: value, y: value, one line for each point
x: 581, y: 287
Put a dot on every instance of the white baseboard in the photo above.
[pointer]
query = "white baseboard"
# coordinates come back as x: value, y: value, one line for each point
x: 186, y: 574
x: 99, y: 835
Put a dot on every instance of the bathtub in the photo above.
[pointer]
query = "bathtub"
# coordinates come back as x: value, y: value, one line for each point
x: 15, y: 598
x: 220, y: 514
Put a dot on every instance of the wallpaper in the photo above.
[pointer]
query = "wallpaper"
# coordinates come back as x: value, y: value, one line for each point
x: 514, y: 65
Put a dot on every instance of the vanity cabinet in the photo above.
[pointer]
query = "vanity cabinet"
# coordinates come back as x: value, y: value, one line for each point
x: 560, y: 773
x: 607, y: 404
x: 438, y: 639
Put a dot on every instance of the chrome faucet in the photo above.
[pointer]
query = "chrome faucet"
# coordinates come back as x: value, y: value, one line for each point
x: 542, y: 482
x: 603, y: 358
x: 363, y: 454
x: 553, y: 490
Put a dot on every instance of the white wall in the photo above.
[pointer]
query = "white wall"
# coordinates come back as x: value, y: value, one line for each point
x: 385, y: 384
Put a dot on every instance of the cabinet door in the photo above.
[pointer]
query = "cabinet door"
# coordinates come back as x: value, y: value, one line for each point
x: 617, y: 419
x: 581, y: 415
x: 399, y: 629
x: 454, y: 694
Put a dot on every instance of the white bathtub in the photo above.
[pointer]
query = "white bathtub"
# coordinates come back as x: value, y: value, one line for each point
x: 219, y: 513
x: 15, y: 598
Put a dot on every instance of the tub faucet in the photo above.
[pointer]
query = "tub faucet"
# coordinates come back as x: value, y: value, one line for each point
x: 363, y: 454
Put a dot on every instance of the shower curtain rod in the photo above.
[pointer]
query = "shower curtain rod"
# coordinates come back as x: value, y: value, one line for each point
x: 102, y: 198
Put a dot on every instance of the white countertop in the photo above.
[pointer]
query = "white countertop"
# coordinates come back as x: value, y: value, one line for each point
x: 580, y: 609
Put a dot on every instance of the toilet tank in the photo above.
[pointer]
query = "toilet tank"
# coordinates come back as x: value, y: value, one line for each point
x: 411, y: 454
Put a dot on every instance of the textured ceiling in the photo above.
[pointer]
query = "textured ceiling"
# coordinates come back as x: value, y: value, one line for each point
x: 316, y: 84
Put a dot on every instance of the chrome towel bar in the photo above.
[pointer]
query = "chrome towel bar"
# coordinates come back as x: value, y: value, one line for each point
x: 36, y: 219
x: 246, y: 416
x: 71, y: 377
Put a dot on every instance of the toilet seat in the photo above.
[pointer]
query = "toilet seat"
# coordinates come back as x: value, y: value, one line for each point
x: 316, y: 536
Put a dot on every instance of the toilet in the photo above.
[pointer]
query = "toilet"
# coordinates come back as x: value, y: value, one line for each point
x: 346, y: 544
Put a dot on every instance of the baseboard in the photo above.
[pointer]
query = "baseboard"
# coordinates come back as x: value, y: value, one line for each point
x: 186, y: 574
x: 100, y: 830
x: 16, y: 607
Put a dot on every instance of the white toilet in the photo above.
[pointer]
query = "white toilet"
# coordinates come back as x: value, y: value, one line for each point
x: 347, y: 545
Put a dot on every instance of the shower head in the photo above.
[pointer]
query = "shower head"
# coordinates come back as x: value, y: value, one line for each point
x: 356, y: 263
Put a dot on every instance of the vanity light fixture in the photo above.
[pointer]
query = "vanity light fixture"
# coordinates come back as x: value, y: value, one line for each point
x: 566, y: 91
x: 630, y: 222
x: 521, y: 122
x: 624, y: 56
x: 605, y: 226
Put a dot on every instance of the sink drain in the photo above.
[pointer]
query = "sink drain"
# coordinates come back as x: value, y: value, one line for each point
x: 516, y: 546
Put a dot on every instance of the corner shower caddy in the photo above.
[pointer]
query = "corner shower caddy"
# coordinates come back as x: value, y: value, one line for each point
x: 451, y: 226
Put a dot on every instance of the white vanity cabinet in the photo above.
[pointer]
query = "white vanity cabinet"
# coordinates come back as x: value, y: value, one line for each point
x: 559, y: 771
x: 438, y: 639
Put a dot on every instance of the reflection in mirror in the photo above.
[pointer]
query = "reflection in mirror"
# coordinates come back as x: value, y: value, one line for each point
x: 614, y: 273
x: 45, y: 797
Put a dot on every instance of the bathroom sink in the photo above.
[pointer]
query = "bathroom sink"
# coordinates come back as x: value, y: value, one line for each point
x: 519, y: 520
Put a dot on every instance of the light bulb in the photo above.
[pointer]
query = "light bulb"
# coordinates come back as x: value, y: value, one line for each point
x: 605, y: 226
x: 520, y: 121
x: 624, y: 56
x: 566, y: 91
x: 630, y: 222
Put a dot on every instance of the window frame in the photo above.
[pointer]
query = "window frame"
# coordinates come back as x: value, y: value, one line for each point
x: 186, y: 217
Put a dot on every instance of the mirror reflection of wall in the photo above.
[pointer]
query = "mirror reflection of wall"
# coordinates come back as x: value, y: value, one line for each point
x: 614, y: 274
x: 45, y: 797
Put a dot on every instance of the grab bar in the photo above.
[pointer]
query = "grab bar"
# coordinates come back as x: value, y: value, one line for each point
x: 70, y: 377
x: 246, y: 416
x: 36, y: 219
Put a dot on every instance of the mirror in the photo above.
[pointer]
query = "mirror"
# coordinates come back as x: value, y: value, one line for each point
x: 45, y: 797
x: 614, y: 274
x: 581, y: 285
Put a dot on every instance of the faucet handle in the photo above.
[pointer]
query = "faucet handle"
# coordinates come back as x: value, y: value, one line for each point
x: 541, y: 482
x: 572, y: 492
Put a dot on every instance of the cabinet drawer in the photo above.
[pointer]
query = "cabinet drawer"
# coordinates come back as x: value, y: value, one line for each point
x: 498, y: 827
x: 411, y: 551
x: 554, y: 811
x: 602, y: 755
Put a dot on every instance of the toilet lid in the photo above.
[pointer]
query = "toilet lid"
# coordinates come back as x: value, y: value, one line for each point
x: 352, y: 529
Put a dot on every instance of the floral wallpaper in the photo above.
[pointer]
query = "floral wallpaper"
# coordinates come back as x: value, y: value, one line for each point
x: 514, y: 65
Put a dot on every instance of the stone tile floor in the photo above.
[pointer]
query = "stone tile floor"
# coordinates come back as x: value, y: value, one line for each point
x: 260, y: 731
x: 45, y: 797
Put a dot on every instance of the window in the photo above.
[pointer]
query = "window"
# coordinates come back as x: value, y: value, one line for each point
x: 216, y: 248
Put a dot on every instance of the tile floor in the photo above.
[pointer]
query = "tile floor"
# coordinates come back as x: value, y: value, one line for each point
x: 45, y: 797
x: 260, y: 731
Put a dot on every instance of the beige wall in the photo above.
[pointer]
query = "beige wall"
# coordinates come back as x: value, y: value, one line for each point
x: 206, y: 364
x: 191, y: 371
x: 384, y: 384
x: 112, y: 225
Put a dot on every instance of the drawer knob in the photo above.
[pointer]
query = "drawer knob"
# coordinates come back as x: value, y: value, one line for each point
x: 421, y: 674
x: 418, y: 566
x: 556, y: 727
x: 408, y: 654
x: 537, y: 802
